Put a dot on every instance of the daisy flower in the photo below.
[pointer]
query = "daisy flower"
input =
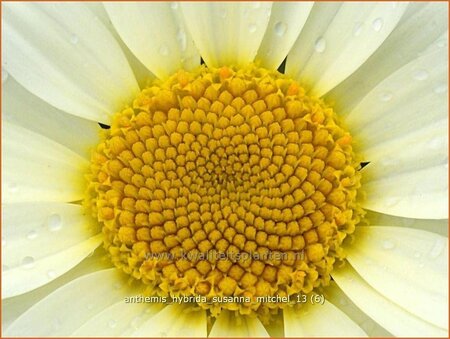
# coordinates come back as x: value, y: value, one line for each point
x: 224, y: 169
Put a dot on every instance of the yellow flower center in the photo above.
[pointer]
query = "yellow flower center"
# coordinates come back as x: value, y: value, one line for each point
x: 231, y: 185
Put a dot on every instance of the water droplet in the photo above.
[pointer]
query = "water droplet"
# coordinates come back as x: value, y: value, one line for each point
x: 12, y: 187
x: 28, y: 262
x: 388, y: 244
x: 320, y: 45
x: 386, y: 96
x: 441, y: 88
x: 437, y: 249
x: 54, y: 222
x: 420, y: 75
x: 57, y: 324
x: 441, y: 43
x: 436, y: 143
x: 377, y: 24
x: 112, y: 323
x: 357, y: 29
x: 174, y: 5
x: 90, y: 306
x: 343, y: 301
x: 74, y: 39
x: 392, y: 201
x: 32, y: 235
x: 164, y: 50
x: 252, y: 28
x: 181, y: 37
x: 51, y: 274
x: 5, y: 75
x: 135, y: 322
x: 280, y: 28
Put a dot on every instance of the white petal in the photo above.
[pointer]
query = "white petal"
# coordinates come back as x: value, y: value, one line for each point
x: 66, y: 56
x: 407, y: 266
x: 407, y: 149
x: 319, y: 320
x: 25, y: 109
x: 173, y: 321
x: 229, y: 324
x: 339, y: 299
x: 118, y: 320
x: 227, y: 33
x: 69, y: 307
x: 142, y: 74
x: 421, y: 27
x: 337, y: 39
x: 13, y: 307
x: 435, y: 226
x: 286, y: 22
x: 392, y: 317
x: 41, y: 241
x: 156, y: 34
x: 38, y: 169
x: 36, y: 272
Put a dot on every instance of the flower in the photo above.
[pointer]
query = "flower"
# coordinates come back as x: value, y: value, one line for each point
x: 68, y: 67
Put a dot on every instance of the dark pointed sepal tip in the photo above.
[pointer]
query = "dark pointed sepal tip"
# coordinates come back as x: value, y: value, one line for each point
x: 363, y: 164
x: 103, y: 126
x: 282, y: 67
x: 202, y: 62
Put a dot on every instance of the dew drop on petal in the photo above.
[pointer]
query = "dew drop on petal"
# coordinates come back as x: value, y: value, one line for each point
x: 181, y: 37
x: 32, y: 235
x: 51, y: 274
x: 436, y: 143
x: 320, y: 45
x: 164, y: 50
x: 390, y: 202
x: 357, y: 29
x: 420, y: 75
x: 74, y: 39
x: 135, y: 322
x: 386, y: 96
x: 441, y: 88
x: 388, y: 244
x: 28, y: 262
x: 377, y: 24
x: 252, y: 28
x: 280, y: 28
x: 12, y: 187
x: 343, y: 301
x: 112, y: 323
x: 5, y: 75
x: 57, y: 324
x: 54, y: 222
x: 437, y: 249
